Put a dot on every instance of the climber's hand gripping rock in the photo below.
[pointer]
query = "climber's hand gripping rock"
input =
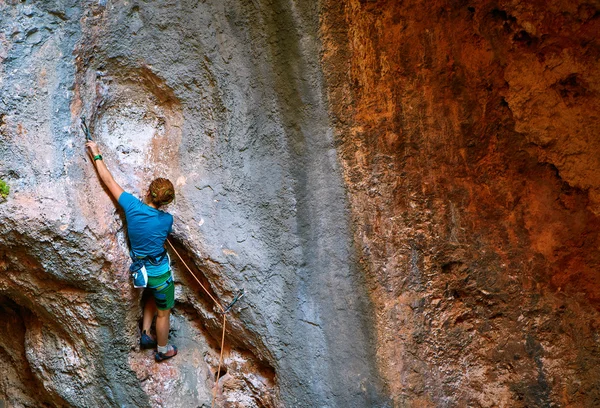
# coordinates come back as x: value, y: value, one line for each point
x: 105, y: 175
x: 93, y: 148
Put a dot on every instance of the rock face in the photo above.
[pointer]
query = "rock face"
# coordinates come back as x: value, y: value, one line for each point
x: 407, y: 191
x: 226, y: 99
x: 468, y: 138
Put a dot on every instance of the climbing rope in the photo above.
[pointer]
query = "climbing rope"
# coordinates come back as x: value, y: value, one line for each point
x: 224, y: 312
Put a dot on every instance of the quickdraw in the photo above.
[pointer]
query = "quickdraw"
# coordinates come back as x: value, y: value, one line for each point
x: 86, y: 131
x: 237, y: 297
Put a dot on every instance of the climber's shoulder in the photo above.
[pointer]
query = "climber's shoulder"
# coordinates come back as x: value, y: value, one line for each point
x: 128, y: 201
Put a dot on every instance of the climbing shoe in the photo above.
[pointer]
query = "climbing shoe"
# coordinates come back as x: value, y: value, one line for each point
x: 171, y: 352
x: 147, y: 341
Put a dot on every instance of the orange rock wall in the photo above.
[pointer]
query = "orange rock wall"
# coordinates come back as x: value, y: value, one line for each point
x: 468, y: 136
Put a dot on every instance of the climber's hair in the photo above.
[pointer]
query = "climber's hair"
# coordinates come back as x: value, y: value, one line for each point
x: 161, y: 192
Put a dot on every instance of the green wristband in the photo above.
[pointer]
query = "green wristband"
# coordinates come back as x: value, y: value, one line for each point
x: 98, y: 157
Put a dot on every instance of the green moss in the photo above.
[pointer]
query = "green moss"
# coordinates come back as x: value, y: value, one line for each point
x: 4, y: 189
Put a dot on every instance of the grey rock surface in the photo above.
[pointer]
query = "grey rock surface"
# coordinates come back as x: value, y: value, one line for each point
x: 224, y: 98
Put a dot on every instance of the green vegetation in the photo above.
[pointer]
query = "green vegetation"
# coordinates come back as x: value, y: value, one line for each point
x: 4, y: 189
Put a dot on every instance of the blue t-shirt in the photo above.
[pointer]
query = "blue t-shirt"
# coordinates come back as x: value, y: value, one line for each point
x: 147, y: 229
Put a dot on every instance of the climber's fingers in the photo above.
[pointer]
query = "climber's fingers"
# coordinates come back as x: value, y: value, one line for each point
x: 92, y: 148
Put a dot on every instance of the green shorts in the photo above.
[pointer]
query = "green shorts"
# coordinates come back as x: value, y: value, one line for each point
x: 163, y: 290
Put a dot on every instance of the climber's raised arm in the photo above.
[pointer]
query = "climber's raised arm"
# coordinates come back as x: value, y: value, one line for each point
x: 107, y: 178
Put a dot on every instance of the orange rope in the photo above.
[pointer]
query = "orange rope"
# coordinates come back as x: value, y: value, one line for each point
x: 224, y: 320
x: 220, y: 359
x: 197, y: 280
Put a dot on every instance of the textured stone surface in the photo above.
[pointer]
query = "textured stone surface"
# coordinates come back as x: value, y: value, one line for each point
x: 468, y: 135
x: 407, y: 191
x: 225, y: 99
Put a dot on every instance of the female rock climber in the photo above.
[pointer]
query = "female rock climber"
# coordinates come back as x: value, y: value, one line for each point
x: 147, y: 229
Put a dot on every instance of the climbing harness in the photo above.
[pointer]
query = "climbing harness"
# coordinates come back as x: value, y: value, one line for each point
x: 223, y: 312
x: 137, y: 269
x: 86, y: 131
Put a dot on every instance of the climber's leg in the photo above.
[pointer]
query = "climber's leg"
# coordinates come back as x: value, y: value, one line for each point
x: 162, y: 327
x: 149, y: 313
x: 163, y: 291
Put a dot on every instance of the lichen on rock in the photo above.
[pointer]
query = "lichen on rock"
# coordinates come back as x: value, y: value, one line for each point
x: 4, y: 189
